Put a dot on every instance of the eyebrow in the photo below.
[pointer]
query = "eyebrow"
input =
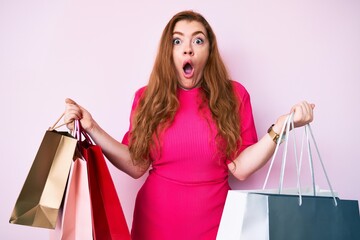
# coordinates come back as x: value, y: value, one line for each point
x: 194, y: 33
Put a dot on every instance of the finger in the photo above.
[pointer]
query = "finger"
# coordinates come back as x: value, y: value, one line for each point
x: 305, y: 114
x: 72, y: 114
x: 70, y: 101
x: 309, y: 108
x: 310, y: 105
x: 70, y: 125
x: 308, y: 113
x: 302, y: 113
x: 298, y: 109
x: 306, y: 109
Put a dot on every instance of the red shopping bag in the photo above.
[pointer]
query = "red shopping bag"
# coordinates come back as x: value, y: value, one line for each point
x: 74, y: 221
x: 107, y: 215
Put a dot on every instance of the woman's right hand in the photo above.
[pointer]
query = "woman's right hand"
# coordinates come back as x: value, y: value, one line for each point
x: 73, y: 111
x: 117, y: 153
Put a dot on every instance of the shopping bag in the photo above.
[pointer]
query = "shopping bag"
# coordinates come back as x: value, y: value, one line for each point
x: 260, y: 215
x: 42, y: 193
x: 74, y: 221
x: 107, y: 215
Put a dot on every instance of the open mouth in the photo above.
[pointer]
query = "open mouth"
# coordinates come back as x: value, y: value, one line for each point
x: 188, y: 69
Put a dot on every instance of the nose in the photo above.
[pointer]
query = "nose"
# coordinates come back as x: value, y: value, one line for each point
x: 188, y: 50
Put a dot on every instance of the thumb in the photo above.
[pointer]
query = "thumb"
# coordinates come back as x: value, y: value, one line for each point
x: 69, y: 101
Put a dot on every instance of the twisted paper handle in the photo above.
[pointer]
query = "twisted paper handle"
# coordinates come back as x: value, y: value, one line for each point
x: 57, y: 121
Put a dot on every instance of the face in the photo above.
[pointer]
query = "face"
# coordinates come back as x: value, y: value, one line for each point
x: 190, y: 52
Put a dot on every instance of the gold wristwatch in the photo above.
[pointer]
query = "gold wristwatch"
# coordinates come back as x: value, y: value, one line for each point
x: 274, y: 136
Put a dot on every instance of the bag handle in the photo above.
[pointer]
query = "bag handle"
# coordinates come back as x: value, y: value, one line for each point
x: 289, y: 123
x: 54, y: 127
x: 79, y: 131
x: 307, y: 129
x: 285, y: 128
x: 308, y: 133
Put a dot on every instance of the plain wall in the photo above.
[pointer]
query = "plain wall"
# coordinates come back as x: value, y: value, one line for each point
x: 100, y: 52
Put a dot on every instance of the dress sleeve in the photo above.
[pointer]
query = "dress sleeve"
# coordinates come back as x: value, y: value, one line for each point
x: 137, y: 97
x: 247, y: 125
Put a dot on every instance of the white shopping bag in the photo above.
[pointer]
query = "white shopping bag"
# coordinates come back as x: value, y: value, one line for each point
x: 289, y: 214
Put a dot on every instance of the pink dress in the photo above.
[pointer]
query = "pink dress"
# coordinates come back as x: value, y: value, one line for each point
x: 184, y: 195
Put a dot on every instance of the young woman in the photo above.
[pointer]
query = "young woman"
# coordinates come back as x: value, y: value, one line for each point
x: 191, y: 125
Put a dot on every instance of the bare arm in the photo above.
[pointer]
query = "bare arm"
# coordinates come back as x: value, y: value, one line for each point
x: 257, y: 155
x: 117, y: 153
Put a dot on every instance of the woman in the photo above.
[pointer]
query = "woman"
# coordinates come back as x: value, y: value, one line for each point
x: 190, y: 126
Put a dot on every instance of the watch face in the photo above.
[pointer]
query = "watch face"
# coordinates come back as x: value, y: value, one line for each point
x: 273, y: 134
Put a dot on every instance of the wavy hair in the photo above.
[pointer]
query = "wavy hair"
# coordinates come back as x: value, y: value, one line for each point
x: 158, y: 104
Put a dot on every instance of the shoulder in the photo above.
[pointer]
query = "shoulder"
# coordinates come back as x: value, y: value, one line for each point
x: 140, y: 91
x: 138, y: 95
x: 239, y: 90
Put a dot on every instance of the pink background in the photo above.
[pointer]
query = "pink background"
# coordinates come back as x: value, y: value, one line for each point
x: 100, y: 52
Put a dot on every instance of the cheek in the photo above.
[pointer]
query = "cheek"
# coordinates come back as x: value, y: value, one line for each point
x: 175, y: 55
x: 204, y: 53
x: 177, y: 59
x: 204, y: 59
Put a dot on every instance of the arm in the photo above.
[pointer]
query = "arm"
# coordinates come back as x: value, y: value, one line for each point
x: 117, y: 153
x: 255, y: 156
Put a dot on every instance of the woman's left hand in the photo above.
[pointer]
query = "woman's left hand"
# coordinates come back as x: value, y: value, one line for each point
x: 303, y: 113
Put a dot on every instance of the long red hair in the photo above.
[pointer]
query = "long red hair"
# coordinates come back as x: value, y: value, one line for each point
x: 159, y: 103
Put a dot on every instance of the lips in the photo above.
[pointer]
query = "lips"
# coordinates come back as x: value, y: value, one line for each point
x: 188, y: 69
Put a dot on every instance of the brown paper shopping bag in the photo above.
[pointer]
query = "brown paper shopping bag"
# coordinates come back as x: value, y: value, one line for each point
x: 42, y: 193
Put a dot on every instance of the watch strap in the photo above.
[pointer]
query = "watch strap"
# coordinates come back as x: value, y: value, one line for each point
x: 274, y: 136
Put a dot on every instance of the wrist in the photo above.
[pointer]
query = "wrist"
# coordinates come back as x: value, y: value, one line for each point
x: 275, y: 134
x: 91, y: 127
x: 277, y: 127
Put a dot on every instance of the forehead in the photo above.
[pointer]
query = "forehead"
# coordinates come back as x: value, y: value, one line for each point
x: 189, y: 27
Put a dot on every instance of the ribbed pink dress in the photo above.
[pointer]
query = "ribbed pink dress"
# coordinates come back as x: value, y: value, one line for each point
x: 184, y: 194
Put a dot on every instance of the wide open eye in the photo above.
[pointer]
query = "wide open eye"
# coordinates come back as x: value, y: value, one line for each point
x: 176, y: 41
x: 198, y: 41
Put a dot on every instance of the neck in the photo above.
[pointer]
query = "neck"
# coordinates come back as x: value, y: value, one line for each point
x: 187, y: 89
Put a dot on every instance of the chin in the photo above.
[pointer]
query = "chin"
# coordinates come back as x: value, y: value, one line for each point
x: 187, y: 87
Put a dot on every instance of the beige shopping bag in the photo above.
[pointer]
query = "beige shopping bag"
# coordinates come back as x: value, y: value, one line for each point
x: 42, y: 193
